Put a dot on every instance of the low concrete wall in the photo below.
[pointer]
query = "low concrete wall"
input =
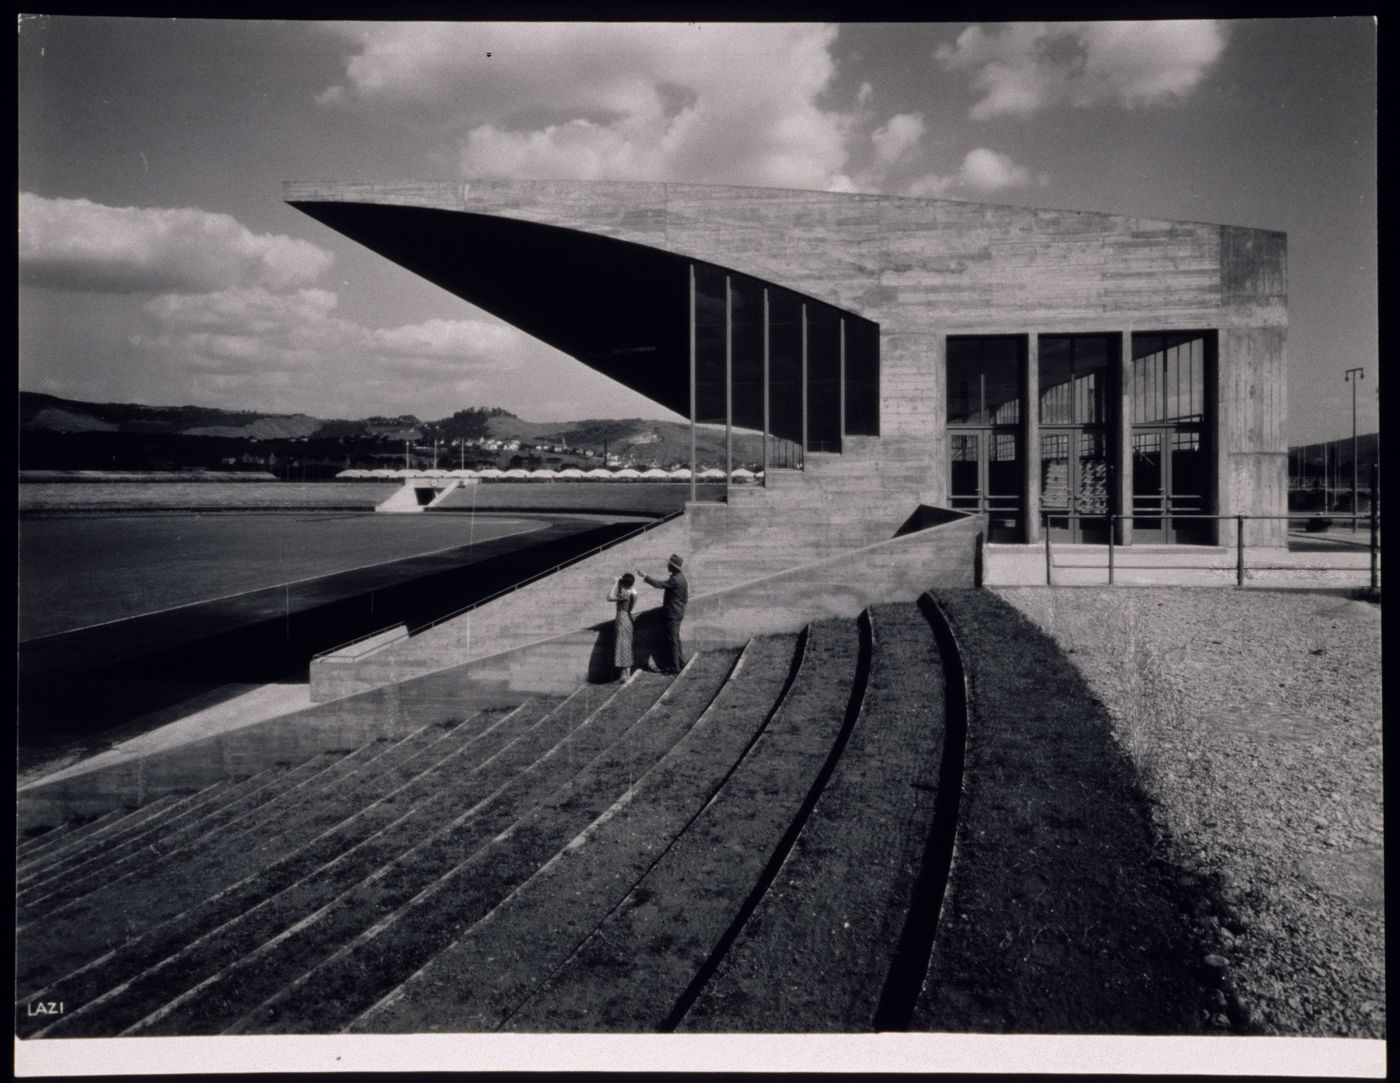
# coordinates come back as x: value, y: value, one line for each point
x: 569, y: 598
x: 898, y: 569
x: 346, y: 723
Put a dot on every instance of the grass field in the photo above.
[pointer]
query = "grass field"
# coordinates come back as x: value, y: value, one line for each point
x: 80, y: 571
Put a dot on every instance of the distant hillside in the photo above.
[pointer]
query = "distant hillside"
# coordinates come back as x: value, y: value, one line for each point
x: 104, y: 433
x: 1306, y: 460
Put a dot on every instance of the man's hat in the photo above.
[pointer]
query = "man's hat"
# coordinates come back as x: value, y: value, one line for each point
x: 674, y: 562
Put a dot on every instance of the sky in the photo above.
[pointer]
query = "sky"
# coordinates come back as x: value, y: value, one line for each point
x: 158, y: 263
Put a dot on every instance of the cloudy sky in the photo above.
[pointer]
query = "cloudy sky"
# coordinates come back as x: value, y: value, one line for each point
x: 160, y: 265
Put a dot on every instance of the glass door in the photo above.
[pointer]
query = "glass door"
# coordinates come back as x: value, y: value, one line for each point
x: 1169, y: 485
x: 1075, y: 474
x: 985, y: 479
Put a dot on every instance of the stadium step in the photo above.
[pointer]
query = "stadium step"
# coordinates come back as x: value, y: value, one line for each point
x: 818, y: 950
x: 248, y: 866
x: 161, y: 817
x: 271, y: 796
x: 518, y: 841
x: 540, y: 926
x: 214, y: 959
x: 737, y: 849
x: 118, y: 824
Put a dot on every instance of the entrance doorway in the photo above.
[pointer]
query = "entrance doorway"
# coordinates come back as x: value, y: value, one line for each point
x: 986, y: 480
x: 1171, y: 377
x: 1169, y: 482
x: 1074, y: 484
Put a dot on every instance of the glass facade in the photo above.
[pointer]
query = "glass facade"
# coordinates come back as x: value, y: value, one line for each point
x: 1098, y: 417
x: 1171, y: 464
x: 823, y: 363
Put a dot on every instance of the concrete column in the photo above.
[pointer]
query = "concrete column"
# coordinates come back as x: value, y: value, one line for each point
x: 693, y: 494
x: 765, y: 385
x: 1123, y: 435
x: 1030, y: 429
x: 728, y: 383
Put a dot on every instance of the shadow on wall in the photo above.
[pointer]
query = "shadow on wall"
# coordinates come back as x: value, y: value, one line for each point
x: 649, y: 648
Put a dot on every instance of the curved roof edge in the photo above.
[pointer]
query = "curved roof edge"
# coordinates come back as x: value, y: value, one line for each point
x: 412, y: 192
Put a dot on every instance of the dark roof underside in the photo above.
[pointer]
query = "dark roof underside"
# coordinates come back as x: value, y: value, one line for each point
x: 618, y: 307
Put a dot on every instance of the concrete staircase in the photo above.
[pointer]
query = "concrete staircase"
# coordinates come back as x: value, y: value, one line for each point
x: 622, y: 858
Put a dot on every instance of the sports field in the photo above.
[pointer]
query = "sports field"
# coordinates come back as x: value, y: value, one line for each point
x: 86, y: 570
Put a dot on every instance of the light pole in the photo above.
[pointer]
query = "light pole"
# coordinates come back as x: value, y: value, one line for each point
x: 1360, y: 375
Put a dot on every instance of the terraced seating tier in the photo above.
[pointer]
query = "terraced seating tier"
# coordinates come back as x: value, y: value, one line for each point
x: 635, y: 968
x: 311, y: 835
x: 817, y: 953
x: 497, y: 963
x: 740, y: 848
x: 373, y: 963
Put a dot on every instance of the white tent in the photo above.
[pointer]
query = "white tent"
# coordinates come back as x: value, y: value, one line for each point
x: 628, y: 472
x: 351, y: 474
x: 571, y: 472
x: 655, y: 474
x: 491, y: 472
x: 680, y: 473
x: 743, y: 473
x: 541, y: 475
x: 516, y: 472
x: 464, y: 474
x: 711, y: 473
x: 383, y: 472
x: 599, y: 472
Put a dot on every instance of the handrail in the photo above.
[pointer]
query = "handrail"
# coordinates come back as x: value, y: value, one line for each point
x: 514, y: 587
x: 1114, y: 517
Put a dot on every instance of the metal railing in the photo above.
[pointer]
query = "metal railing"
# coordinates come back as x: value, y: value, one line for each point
x: 1239, y: 520
x: 536, y: 577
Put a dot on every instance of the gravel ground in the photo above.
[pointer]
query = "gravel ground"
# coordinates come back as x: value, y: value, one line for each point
x: 1254, y: 721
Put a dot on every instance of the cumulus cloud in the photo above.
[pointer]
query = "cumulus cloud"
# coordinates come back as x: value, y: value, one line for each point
x: 640, y: 101
x: 982, y: 171
x: 897, y: 136
x: 294, y: 351
x: 1022, y: 69
x: 80, y: 245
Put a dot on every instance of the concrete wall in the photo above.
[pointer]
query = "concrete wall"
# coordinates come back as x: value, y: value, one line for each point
x: 897, y: 569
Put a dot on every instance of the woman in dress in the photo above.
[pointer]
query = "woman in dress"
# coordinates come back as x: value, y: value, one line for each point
x: 625, y: 597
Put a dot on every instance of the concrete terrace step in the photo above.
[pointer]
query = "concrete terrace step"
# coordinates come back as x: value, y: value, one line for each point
x: 162, y: 817
x: 210, y: 939
x: 279, y: 853
x: 817, y: 951
x: 480, y: 980
x: 635, y: 967
x: 402, y: 939
x: 117, y: 824
x: 268, y: 945
x: 287, y: 791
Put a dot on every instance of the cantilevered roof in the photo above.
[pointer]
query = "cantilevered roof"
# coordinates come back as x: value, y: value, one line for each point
x: 619, y: 307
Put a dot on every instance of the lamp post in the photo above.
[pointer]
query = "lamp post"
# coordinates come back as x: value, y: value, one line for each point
x: 1360, y: 375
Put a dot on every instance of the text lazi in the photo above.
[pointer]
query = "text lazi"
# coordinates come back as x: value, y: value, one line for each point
x: 45, y: 1007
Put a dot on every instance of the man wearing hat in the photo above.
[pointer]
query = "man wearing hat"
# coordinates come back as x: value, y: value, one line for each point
x: 673, y: 607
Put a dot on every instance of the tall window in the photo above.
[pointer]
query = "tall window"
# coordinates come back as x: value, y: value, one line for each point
x: 823, y: 378
x: 803, y: 335
x: 984, y: 414
x: 862, y: 377
x: 709, y: 344
x: 983, y: 381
